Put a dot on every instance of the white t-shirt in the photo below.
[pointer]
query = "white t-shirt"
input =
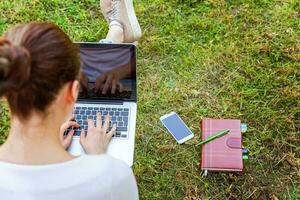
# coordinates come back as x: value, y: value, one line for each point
x: 88, y: 177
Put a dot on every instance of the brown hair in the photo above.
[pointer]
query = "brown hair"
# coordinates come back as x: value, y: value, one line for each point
x: 36, y: 60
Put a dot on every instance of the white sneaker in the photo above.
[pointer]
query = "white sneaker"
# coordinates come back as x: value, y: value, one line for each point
x: 122, y: 12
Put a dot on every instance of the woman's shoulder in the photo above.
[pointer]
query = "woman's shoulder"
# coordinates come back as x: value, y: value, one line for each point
x: 107, y: 162
x: 103, y: 160
x: 118, y: 170
x: 113, y: 173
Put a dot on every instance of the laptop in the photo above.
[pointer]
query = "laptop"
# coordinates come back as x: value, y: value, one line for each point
x: 108, y: 86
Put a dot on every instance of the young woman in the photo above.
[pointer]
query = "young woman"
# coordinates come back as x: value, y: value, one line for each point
x: 39, y: 72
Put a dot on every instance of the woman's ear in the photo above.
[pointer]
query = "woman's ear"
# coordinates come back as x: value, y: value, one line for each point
x: 73, y: 90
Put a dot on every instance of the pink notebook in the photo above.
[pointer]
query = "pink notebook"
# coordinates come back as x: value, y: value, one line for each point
x: 223, y: 153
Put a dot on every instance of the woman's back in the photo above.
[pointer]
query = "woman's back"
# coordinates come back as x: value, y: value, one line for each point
x: 87, y: 177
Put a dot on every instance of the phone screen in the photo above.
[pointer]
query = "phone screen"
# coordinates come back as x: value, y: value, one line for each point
x: 176, y: 126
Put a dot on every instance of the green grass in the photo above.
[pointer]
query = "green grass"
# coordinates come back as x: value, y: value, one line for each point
x: 215, y: 58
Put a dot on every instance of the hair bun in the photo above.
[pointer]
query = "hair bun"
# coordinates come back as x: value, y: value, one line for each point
x: 15, y: 67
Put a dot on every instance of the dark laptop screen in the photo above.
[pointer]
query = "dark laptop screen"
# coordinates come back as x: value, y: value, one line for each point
x: 108, y: 71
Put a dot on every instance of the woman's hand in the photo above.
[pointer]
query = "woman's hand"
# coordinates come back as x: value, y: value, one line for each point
x: 66, y: 140
x: 97, y: 139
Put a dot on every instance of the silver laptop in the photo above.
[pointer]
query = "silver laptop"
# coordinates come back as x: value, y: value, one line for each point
x: 108, y: 86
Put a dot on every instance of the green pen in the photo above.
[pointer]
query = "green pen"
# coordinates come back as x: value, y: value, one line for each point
x: 224, y: 132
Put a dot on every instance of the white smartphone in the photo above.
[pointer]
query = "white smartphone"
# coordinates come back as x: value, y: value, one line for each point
x: 176, y: 127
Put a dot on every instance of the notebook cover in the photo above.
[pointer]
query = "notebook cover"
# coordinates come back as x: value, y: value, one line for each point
x: 223, y: 153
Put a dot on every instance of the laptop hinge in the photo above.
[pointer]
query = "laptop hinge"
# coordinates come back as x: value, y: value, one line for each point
x: 101, y: 102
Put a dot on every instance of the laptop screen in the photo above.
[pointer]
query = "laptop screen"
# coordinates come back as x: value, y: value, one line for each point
x: 108, y: 71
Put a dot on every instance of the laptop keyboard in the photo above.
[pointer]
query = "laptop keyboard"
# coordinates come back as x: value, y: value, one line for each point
x: 119, y: 116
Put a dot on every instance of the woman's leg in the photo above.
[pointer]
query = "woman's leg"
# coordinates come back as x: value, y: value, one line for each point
x: 123, y: 24
x: 115, y: 33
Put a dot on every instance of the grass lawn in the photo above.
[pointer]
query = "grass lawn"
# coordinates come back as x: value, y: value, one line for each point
x: 212, y: 58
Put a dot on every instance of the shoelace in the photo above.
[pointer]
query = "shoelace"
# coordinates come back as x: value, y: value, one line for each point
x: 114, y: 12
